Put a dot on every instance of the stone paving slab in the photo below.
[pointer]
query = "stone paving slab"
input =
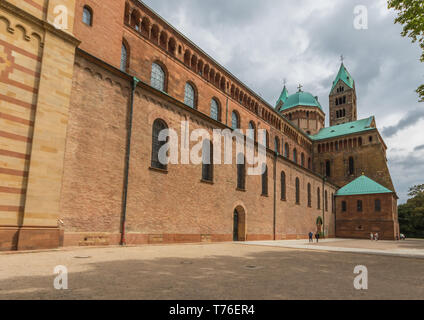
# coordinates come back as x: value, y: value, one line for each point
x: 413, y: 248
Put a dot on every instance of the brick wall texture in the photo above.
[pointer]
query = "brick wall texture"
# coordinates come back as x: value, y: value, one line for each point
x: 65, y: 159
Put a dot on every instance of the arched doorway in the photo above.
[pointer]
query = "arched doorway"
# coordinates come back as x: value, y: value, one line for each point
x: 319, y: 224
x: 239, y: 224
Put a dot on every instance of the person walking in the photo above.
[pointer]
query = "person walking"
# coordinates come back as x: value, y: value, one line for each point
x: 372, y: 236
x: 376, y: 236
x: 311, y: 235
x: 317, y: 236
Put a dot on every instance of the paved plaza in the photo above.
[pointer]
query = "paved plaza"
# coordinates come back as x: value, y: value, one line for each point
x: 218, y: 271
x: 413, y: 248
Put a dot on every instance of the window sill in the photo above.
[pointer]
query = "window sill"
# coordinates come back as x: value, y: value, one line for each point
x: 241, y: 190
x: 285, y: 200
x: 164, y: 171
x: 264, y: 195
x: 206, y: 181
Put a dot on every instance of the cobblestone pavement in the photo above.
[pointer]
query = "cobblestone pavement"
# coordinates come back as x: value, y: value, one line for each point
x: 208, y: 271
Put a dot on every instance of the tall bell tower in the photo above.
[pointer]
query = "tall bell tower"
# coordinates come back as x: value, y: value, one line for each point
x: 343, y: 98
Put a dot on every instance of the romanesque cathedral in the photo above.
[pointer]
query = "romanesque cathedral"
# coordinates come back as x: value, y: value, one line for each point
x: 87, y: 88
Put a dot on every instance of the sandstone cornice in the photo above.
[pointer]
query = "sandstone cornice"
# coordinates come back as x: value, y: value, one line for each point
x: 47, y: 26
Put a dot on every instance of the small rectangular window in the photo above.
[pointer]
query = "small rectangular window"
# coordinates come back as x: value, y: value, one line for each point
x: 359, y: 204
x: 344, y: 206
x: 377, y: 205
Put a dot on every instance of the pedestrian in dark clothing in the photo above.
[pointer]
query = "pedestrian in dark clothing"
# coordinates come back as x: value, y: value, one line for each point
x: 311, y: 235
x: 317, y: 236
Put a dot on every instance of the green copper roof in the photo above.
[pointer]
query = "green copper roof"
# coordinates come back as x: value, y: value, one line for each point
x: 362, y: 185
x: 300, y: 99
x: 283, y: 96
x: 345, y: 129
x: 344, y: 76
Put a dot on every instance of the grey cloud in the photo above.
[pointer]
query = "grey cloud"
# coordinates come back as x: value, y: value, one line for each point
x: 409, y: 120
x: 419, y: 148
x: 407, y: 171
x: 260, y: 41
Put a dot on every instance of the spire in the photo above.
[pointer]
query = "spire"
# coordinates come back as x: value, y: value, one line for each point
x: 283, y: 96
x: 343, y: 75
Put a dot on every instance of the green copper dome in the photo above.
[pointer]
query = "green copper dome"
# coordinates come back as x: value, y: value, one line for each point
x: 300, y: 99
x: 345, y: 76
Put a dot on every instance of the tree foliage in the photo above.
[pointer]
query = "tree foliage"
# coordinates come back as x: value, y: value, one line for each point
x: 411, y: 214
x: 411, y: 16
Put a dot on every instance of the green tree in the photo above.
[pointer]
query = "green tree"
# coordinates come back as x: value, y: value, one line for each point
x: 411, y: 16
x: 411, y: 214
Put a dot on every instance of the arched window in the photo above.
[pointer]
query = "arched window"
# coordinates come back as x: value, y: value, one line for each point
x: 297, y: 191
x: 235, y: 121
x: 241, y: 172
x: 359, y: 205
x: 277, y: 145
x: 158, y: 77
x: 252, y: 132
x: 309, y: 195
x: 265, y: 138
x: 302, y: 159
x: 265, y: 181
x: 351, y: 166
x: 309, y: 164
x: 190, y: 96
x: 158, y: 126
x: 207, y: 164
x: 283, y: 185
x: 295, y: 155
x: 326, y: 200
x: 328, y: 168
x: 318, y: 199
x: 215, y: 110
x: 377, y: 205
x: 87, y: 16
x: 287, y: 151
x: 124, y: 57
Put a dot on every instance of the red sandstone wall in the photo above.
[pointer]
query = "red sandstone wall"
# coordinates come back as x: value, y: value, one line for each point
x: 384, y: 222
x: 104, y: 38
x: 162, y: 207
x: 369, y: 158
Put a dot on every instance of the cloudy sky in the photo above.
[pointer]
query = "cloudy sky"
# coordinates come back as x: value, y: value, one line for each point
x: 263, y: 42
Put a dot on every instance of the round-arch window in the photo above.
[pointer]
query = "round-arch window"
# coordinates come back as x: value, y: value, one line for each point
x: 158, y: 77
x: 251, y: 133
x: 87, y: 16
x: 189, y: 95
x: 235, y: 120
x: 215, y: 114
x: 124, y: 58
